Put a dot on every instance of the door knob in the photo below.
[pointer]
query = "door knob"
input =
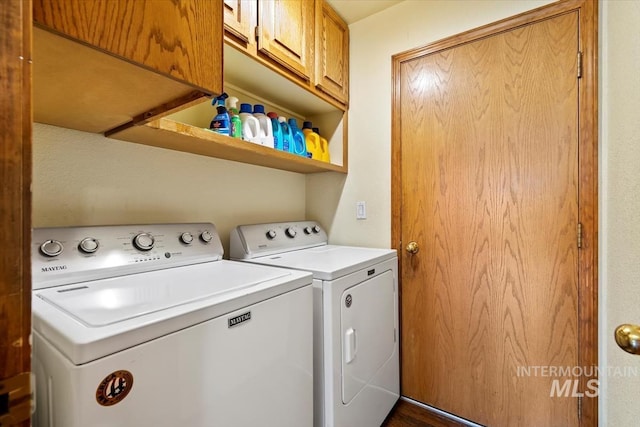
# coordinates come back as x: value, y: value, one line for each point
x: 412, y: 248
x: 628, y: 338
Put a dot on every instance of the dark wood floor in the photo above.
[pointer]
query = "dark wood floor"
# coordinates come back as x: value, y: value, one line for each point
x: 405, y: 414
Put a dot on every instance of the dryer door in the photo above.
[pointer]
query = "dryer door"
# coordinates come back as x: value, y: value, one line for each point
x: 368, y: 336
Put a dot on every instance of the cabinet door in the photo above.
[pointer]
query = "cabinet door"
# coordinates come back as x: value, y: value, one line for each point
x: 286, y: 33
x: 332, y: 53
x: 240, y: 20
x: 181, y: 38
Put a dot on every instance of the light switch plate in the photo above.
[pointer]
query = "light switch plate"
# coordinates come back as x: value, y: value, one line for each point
x: 361, y: 210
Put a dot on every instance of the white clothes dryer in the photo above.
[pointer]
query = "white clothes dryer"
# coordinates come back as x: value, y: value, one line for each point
x: 356, y: 355
x: 147, y: 326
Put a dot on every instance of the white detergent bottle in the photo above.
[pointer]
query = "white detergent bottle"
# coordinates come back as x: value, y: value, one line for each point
x: 250, y: 125
x: 266, y: 127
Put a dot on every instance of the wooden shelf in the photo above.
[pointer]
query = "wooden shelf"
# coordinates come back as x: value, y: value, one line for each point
x: 169, y: 134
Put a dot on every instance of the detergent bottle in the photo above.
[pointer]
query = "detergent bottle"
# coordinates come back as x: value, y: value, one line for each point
x: 236, y: 123
x: 221, y: 123
x: 299, y: 145
x: 312, y: 140
x: 324, y: 147
x: 250, y: 125
x: 287, y: 136
x: 266, y: 128
x: 277, y: 130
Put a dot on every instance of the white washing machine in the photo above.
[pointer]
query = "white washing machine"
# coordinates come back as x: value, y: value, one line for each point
x: 356, y: 360
x: 147, y: 326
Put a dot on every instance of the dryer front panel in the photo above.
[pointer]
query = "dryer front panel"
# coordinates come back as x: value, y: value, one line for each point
x: 367, y: 317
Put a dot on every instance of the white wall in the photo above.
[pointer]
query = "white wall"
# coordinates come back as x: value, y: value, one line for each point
x: 82, y: 178
x: 619, y: 265
x: 410, y: 24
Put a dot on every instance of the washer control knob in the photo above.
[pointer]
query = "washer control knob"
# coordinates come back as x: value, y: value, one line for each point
x: 206, y: 236
x: 316, y: 229
x: 51, y: 248
x: 307, y: 230
x: 186, y: 238
x: 88, y: 245
x: 144, y: 241
x: 271, y: 234
x: 291, y: 232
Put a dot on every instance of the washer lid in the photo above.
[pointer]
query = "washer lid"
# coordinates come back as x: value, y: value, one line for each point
x: 330, y: 261
x: 108, y: 301
x: 88, y: 321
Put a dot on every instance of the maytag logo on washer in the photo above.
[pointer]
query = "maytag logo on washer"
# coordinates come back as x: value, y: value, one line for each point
x: 53, y: 268
x: 114, y: 388
x: 235, y: 321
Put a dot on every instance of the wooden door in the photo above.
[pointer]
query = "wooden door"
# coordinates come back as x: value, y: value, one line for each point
x: 488, y: 155
x: 332, y: 52
x: 286, y: 29
x: 240, y: 21
x: 15, y: 210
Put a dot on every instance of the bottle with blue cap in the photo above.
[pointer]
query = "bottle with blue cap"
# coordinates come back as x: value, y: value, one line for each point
x: 299, y: 145
x: 221, y: 123
x: 250, y: 125
x: 266, y: 128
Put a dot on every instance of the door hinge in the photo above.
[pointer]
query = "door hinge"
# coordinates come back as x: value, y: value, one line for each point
x: 394, y: 335
x: 579, y: 407
x: 579, y: 235
x: 257, y: 32
x: 15, y: 399
x: 579, y: 65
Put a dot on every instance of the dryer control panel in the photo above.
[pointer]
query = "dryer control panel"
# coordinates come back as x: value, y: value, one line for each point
x: 255, y: 240
x: 65, y: 255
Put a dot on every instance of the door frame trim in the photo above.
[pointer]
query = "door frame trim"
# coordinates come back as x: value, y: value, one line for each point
x: 587, y: 165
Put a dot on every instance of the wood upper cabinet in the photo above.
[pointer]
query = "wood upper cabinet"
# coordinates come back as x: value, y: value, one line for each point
x: 286, y: 34
x: 332, y: 53
x: 240, y: 21
x: 123, y: 61
x: 177, y: 38
x: 303, y: 40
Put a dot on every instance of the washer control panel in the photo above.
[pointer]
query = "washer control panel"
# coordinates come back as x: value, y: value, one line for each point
x: 64, y: 255
x: 255, y: 240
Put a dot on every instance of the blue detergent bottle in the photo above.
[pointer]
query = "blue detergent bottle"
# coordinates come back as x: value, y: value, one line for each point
x: 277, y: 130
x: 287, y: 136
x: 221, y: 123
x: 299, y: 145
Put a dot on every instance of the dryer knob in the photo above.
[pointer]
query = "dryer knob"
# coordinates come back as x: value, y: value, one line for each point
x: 144, y: 241
x: 88, y: 245
x: 271, y: 234
x: 316, y: 229
x: 186, y: 238
x: 206, y: 236
x: 51, y: 248
x: 307, y: 230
